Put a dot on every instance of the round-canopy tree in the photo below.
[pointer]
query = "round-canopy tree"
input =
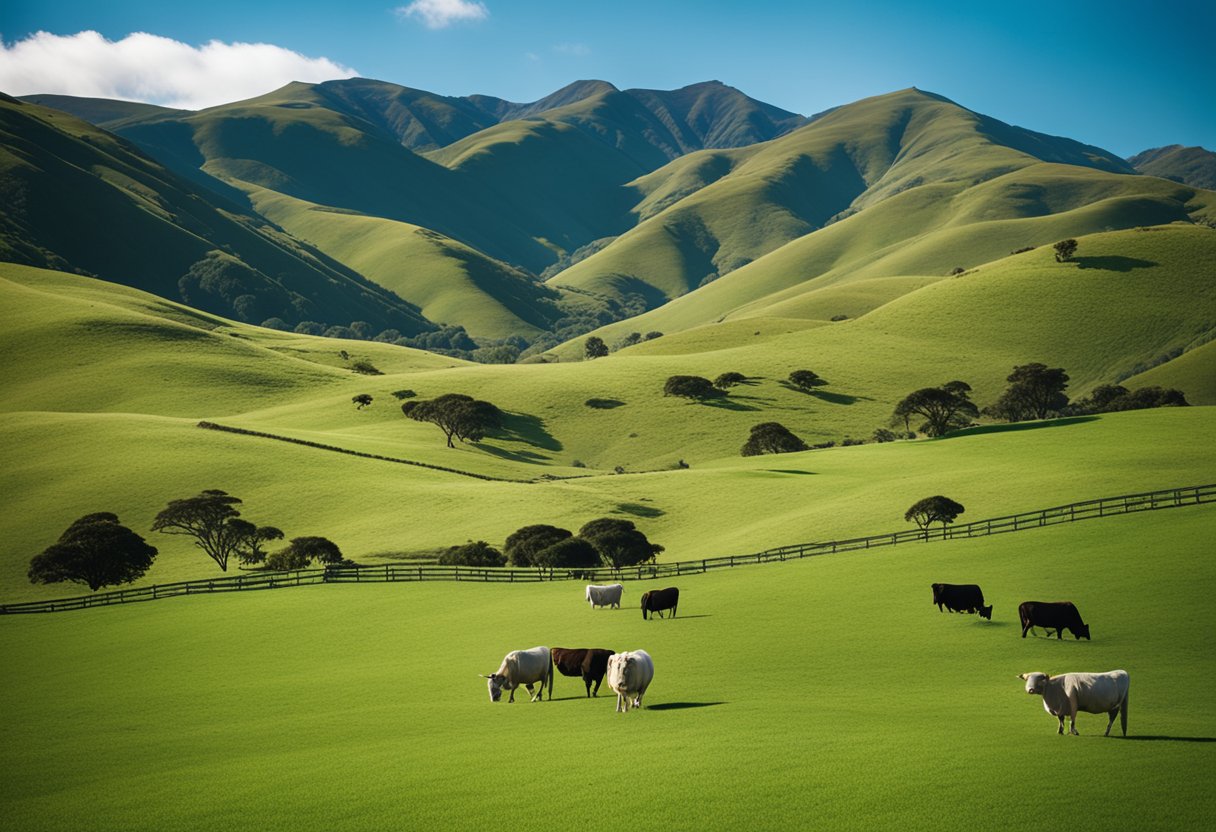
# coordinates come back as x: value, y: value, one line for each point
x: 1065, y: 249
x: 302, y: 551
x: 771, y: 438
x: 457, y: 415
x: 572, y: 552
x: 594, y: 347
x: 96, y: 551
x: 619, y: 542
x: 936, y: 509
x: 249, y: 548
x: 944, y: 408
x: 522, y: 546
x: 479, y: 553
x: 729, y: 380
x: 1035, y: 392
x: 806, y: 380
x: 691, y: 387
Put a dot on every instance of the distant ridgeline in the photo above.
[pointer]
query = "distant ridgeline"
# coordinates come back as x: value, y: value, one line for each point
x: 496, y: 231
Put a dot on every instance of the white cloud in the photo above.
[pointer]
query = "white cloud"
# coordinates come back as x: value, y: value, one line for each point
x: 438, y: 14
x: 158, y: 70
x: 577, y: 50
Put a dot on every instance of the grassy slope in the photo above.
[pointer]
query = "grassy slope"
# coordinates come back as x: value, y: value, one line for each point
x: 929, y: 186
x: 81, y: 198
x: 776, y: 698
x: 1193, y: 165
x: 448, y: 281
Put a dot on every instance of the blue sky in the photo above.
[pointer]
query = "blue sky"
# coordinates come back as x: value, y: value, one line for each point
x: 1122, y: 75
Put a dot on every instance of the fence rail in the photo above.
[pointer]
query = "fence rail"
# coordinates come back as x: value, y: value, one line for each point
x: 390, y: 572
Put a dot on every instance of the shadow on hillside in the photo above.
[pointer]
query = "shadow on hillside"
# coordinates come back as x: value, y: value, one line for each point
x: 515, y: 456
x: 728, y: 404
x: 838, y: 398
x: 790, y: 471
x: 680, y: 706
x: 638, y: 510
x: 524, y: 427
x: 1015, y: 426
x: 1113, y: 263
x: 1163, y: 738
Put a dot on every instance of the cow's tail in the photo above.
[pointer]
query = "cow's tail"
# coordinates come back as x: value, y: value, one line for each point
x: 1123, y: 709
x: 550, y: 676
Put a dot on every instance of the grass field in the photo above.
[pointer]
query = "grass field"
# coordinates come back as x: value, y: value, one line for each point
x: 825, y: 694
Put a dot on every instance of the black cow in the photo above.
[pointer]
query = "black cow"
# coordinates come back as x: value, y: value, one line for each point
x: 657, y: 600
x: 968, y: 598
x: 1053, y: 615
x: 589, y: 662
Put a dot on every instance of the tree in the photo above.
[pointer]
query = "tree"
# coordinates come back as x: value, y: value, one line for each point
x: 771, y: 438
x: 522, y: 546
x: 729, y: 380
x: 691, y: 387
x: 628, y: 341
x: 96, y: 551
x: 401, y: 395
x: 473, y: 554
x: 206, y: 519
x: 362, y: 400
x: 1035, y: 391
x: 569, y: 553
x: 1065, y: 249
x: 937, y: 509
x: 1110, y: 398
x: 944, y: 408
x: 806, y: 381
x: 619, y: 542
x: 594, y: 347
x: 457, y: 415
x: 367, y: 368
x: 250, y: 540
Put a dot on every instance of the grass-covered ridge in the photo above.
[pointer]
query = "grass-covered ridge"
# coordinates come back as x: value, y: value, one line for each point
x: 776, y: 698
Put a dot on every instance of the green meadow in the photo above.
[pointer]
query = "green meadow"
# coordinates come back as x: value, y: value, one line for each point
x: 826, y: 693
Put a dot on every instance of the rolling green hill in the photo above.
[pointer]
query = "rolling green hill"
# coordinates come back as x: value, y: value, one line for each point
x: 1194, y: 166
x: 79, y: 198
x: 906, y: 183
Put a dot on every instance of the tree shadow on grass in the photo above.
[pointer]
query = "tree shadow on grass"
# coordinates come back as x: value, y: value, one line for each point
x: 682, y: 706
x: 524, y: 427
x: 1113, y: 263
x: 838, y: 398
x: 1046, y: 423
x: 790, y: 471
x: 638, y: 510
x: 1163, y: 738
x: 515, y: 456
x: 728, y: 404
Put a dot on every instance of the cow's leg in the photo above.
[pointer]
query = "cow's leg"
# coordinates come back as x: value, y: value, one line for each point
x: 1025, y: 627
x: 619, y: 698
x: 598, y: 681
x: 587, y: 682
x: 1059, y: 633
x: 512, y: 699
x: 1113, y: 714
x: 531, y: 693
x: 1060, y: 716
x: 1072, y: 717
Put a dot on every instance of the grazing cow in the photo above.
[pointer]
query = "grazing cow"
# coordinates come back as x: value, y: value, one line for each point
x: 1094, y: 693
x: 629, y: 674
x: 1053, y: 615
x: 605, y: 596
x: 967, y: 598
x: 522, y: 667
x: 590, y: 663
x: 657, y: 600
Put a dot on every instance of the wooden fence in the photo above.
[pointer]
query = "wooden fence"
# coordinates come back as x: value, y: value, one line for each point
x: 350, y: 573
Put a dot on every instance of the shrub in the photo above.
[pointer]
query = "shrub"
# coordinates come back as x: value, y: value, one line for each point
x: 1022, y: 250
x: 884, y: 435
x: 276, y: 323
x: 729, y: 380
x: 840, y: 318
x: 472, y: 554
x: 957, y: 270
x: 578, y: 463
x: 362, y: 400
x: 848, y: 441
x: 650, y: 336
x: 399, y: 395
x: 362, y: 365
x: 628, y: 341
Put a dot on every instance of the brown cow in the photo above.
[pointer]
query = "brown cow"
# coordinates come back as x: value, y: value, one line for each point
x: 657, y: 600
x: 589, y: 662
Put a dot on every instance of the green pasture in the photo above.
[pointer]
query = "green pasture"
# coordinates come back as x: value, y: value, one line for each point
x: 825, y: 693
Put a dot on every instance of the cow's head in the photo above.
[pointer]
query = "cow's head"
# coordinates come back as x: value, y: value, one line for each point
x: 937, y: 593
x: 1079, y: 631
x: 1036, y: 683
x: 495, y: 684
x: 986, y: 612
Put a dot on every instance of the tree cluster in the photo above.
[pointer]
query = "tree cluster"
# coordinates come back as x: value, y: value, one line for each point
x: 1110, y: 398
x: 1035, y: 391
x: 477, y: 553
x: 806, y: 380
x: 607, y: 541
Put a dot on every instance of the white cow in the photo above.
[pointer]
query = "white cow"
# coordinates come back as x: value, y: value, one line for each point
x: 629, y: 674
x: 603, y: 596
x: 522, y: 667
x: 1094, y: 693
